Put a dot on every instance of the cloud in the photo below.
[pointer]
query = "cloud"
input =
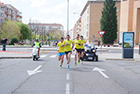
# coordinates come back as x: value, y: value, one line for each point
x: 38, y: 3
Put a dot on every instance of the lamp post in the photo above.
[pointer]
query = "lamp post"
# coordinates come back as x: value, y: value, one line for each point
x: 67, y: 17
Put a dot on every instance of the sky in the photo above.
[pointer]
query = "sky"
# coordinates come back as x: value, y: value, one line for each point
x: 49, y: 11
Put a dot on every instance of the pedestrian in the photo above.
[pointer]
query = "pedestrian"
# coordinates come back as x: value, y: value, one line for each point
x: 68, y: 49
x: 61, y: 52
x: 77, y: 44
x: 46, y: 43
x: 4, y: 41
x: 82, y: 48
x: 49, y: 43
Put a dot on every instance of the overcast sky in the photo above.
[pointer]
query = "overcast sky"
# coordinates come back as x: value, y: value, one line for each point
x: 48, y: 11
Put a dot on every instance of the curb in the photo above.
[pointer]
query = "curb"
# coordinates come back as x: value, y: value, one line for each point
x: 123, y: 59
x: 15, y: 57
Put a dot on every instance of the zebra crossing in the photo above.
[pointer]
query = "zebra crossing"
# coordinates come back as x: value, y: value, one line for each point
x: 52, y: 56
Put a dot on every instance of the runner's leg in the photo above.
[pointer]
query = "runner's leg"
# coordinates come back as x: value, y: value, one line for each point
x: 69, y: 57
x: 75, y: 56
x: 62, y: 59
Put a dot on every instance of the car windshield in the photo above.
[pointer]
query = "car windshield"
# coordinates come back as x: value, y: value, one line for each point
x: 90, y: 45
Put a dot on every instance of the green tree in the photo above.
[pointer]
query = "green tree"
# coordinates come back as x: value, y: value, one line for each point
x: 9, y: 30
x: 49, y: 34
x: 109, y: 22
x: 24, y: 30
x: 57, y: 35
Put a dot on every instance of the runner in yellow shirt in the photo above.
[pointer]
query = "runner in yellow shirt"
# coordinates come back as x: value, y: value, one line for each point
x: 77, y: 43
x: 68, y: 49
x: 82, y: 47
x: 61, y: 52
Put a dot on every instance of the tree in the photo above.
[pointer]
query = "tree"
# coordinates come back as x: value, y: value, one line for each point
x: 9, y: 30
x: 57, y: 35
x: 24, y: 30
x: 109, y: 22
x: 49, y: 34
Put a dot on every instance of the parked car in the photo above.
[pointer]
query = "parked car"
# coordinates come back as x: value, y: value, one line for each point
x: 90, y: 52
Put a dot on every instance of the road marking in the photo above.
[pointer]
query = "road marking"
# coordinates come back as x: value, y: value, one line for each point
x: 100, y: 71
x: 68, y: 76
x: 67, y: 88
x: 52, y: 56
x: 43, y: 56
x: 35, y: 71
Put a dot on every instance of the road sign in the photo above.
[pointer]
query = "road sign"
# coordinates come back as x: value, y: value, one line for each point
x: 49, y: 37
x: 101, y: 33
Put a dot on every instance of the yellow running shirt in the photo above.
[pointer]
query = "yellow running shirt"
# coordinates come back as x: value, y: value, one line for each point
x: 68, y: 47
x: 61, y: 49
x: 77, y: 42
x: 83, y: 42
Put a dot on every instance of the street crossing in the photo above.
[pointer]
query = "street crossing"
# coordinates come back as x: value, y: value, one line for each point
x: 52, y: 56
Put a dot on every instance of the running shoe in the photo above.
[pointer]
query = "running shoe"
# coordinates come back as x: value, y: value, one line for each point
x: 78, y: 61
x: 60, y: 66
x: 75, y: 63
x: 68, y: 66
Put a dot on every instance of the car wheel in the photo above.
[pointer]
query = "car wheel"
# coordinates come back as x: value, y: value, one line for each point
x: 96, y: 58
x: 34, y: 58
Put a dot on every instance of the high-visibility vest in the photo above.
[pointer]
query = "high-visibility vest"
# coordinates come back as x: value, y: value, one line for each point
x: 37, y: 44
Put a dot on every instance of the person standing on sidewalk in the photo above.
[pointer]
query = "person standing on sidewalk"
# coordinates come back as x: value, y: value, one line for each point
x: 4, y: 41
x: 68, y: 49
x: 77, y: 43
x: 82, y: 48
x: 61, y: 52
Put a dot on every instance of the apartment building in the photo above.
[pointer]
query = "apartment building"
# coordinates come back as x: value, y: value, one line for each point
x: 46, y: 27
x: 10, y: 12
x: 90, y: 19
x: 130, y: 18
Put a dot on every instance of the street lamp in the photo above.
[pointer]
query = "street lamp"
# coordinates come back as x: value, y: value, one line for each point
x: 67, y: 17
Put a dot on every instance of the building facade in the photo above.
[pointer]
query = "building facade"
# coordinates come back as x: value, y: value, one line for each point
x: 10, y: 12
x: 76, y: 29
x: 44, y: 27
x: 130, y: 18
x: 90, y: 19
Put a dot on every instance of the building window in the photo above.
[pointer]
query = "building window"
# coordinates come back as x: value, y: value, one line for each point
x: 117, y: 9
x: 87, y: 26
x: 87, y: 34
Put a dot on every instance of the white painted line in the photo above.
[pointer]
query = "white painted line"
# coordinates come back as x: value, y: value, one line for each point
x: 43, y: 56
x: 72, y: 56
x: 35, y: 71
x: 100, y: 71
x: 67, y: 88
x: 104, y: 74
x: 68, y: 76
x: 52, y: 56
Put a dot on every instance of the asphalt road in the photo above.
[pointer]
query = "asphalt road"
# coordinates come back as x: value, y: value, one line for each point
x: 18, y: 76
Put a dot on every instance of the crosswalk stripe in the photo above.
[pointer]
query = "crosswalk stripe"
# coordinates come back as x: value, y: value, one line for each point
x: 52, y: 56
x: 43, y: 56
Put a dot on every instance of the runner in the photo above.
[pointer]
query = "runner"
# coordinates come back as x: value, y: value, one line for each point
x: 68, y: 49
x: 61, y: 52
x: 77, y: 43
x: 82, y: 48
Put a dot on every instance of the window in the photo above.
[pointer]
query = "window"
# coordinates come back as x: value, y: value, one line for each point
x: 87, y: 26
x: 117, y: 9
x: 87, y: 34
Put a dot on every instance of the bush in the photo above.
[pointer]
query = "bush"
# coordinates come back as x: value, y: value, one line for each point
x: 13, y: 40
x: 120, y: 43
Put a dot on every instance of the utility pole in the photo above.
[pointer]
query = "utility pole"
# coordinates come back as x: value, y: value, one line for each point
x: 67, y: 17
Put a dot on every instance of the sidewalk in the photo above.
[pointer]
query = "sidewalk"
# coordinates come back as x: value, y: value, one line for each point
x: 117, y: 56
x: 15, y: 55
